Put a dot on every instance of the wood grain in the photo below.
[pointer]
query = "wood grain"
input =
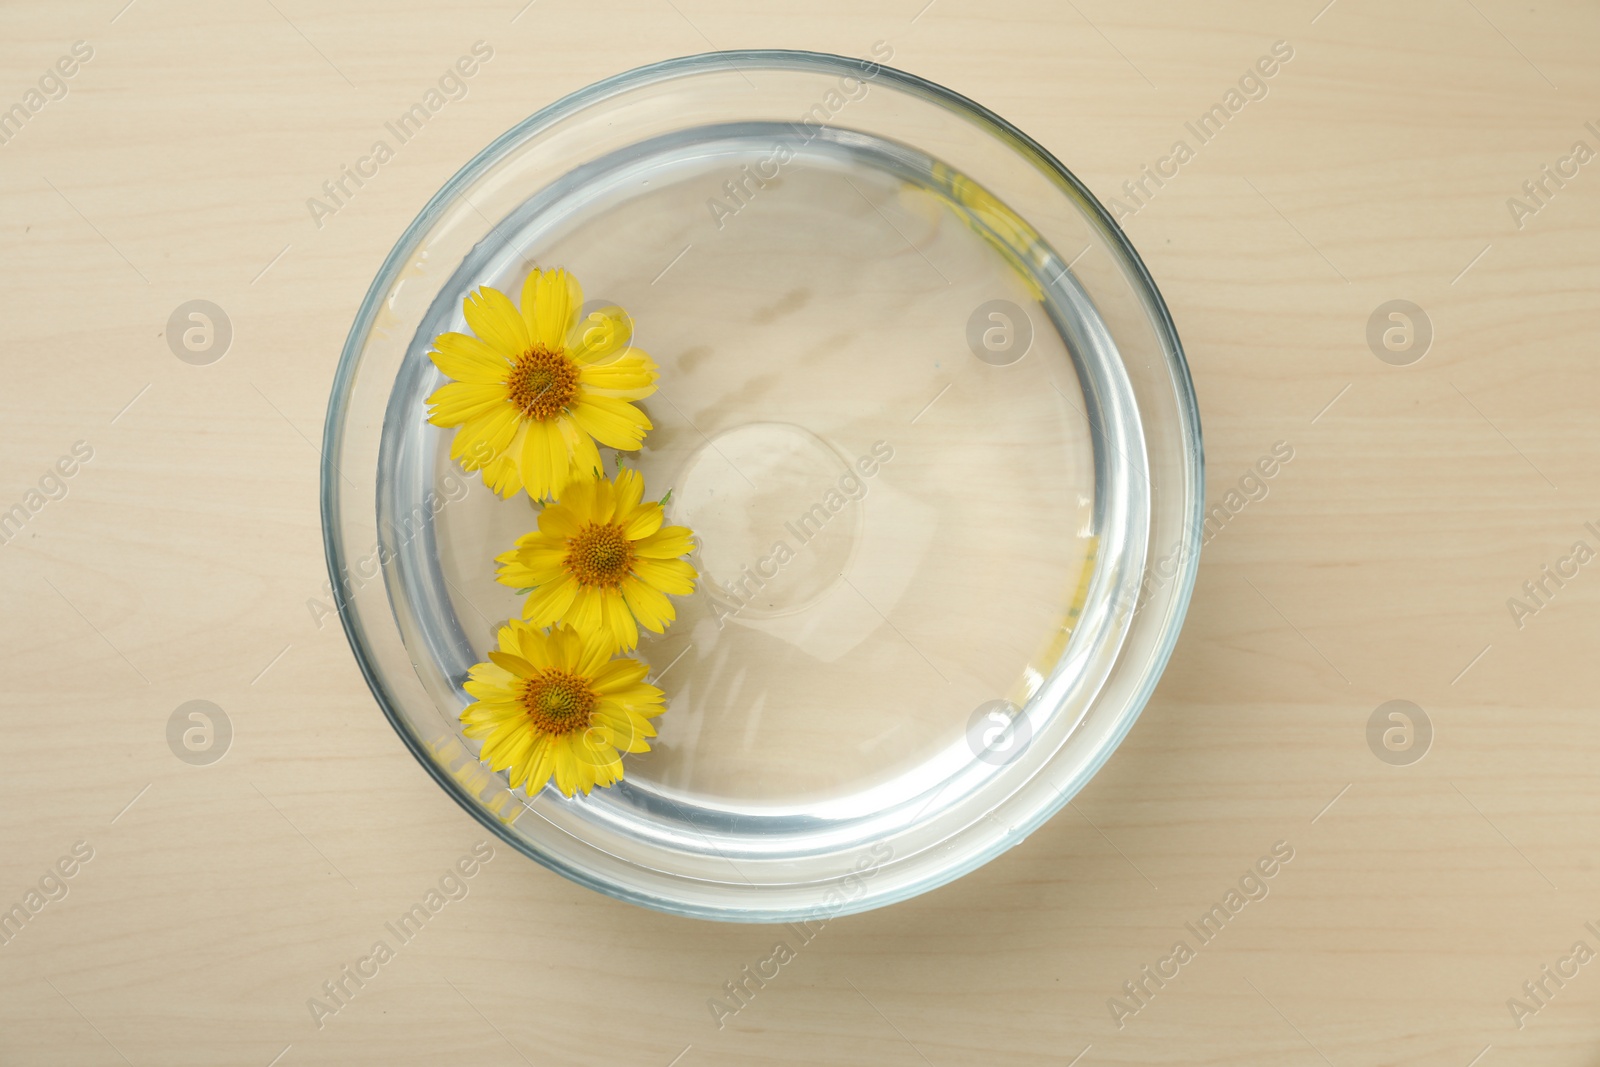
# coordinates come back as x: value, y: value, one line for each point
x: 178, y: 562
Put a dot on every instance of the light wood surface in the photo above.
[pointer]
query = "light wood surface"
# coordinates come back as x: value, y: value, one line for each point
x: 177, y: 566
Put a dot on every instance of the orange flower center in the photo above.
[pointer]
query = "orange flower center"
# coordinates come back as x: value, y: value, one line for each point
x: 542, y: 382
x: 599, y: 554
x: 558, y: 702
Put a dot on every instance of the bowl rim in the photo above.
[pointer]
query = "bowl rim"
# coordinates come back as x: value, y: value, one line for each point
x: 1187, y: 407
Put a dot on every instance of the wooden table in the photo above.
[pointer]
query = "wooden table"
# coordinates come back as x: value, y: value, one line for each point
x: 207, y: 903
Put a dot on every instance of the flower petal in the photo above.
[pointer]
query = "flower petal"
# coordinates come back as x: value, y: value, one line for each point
x: 517, y: 575
x: 534, y: 645
x: 558, y: 521
x: 560, y: 457
x: 599, y: 755
x: 543, y: 559
x: 467, y: 359
x: 631, y: 376
x: 550, y: 303
x: 581, y: 502
x: 642, y: 522
x: 509, y: 750
x: 485, y: 437
x: 585, y: 614
x: 629, y: 733
x: 541, y: 763
x: 651, y: 607
x: 511, y: 661
x: 673, y: 576
x: 605, y: 499
x: 628, y: 489
x: 612, y: 422
x: 503, y: 475
x: 645, y: 700
x: 669, y: 542
x: 599, y: 334
x: 580, y: 446
x: 546, y: 604
x: 489, y: 694
x: 566, y: 648
x: 620, y: 626
x: 544, y: 460
x: 565, y: 765
x: 526, y: 756
x: 455, y: 402
x: 495, y: 319
x: 618, y: 674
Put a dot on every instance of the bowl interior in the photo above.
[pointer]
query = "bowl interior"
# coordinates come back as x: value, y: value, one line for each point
x: 915, y: 393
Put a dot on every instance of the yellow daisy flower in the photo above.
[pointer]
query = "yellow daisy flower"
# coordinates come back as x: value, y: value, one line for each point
x: 557, y: 705
x: 602, y: 562
x: 536, y: 388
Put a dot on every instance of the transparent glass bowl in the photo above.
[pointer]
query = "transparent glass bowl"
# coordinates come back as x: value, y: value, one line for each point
x: 926, y: 413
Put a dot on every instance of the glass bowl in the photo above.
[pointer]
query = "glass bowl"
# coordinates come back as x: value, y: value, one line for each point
x: 926, y: 413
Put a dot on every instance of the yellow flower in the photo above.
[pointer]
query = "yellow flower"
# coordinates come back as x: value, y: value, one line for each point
x: 557, y: 705
x: 536, y: 388
x: 602, y: 562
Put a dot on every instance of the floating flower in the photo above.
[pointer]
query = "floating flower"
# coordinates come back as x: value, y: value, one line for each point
x: 536, y: 388
x: 555, y: 704
x: 602, y: 562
